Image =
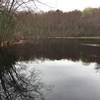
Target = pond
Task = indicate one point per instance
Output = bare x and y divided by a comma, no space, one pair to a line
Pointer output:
53,70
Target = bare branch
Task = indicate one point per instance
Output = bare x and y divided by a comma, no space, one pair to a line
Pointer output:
11,5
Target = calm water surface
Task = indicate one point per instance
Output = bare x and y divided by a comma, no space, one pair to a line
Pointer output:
57,70
69,80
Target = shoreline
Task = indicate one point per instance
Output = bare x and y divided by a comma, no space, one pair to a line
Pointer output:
73,37
37,40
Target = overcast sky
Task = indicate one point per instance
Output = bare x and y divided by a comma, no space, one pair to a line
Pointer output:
68,5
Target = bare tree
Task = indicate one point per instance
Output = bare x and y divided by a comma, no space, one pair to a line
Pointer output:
13,5
8,9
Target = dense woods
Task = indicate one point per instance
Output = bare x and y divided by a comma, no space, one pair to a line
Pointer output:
58,23
35,25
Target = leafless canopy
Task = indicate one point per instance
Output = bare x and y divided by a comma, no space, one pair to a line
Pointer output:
14,5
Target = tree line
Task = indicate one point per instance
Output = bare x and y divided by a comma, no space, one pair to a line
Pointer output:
30,24
59,24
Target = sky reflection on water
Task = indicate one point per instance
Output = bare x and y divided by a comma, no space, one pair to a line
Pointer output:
70,80
64,69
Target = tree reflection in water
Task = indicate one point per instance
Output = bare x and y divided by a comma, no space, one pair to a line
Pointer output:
14,85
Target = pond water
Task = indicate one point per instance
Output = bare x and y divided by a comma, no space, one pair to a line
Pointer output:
61,70
69,80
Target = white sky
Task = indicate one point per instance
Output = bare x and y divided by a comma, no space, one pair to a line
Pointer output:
68,5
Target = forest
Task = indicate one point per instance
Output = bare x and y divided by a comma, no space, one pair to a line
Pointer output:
75,23
28,25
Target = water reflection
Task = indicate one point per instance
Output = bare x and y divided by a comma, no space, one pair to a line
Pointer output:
60,62
71,80
14,84
60,49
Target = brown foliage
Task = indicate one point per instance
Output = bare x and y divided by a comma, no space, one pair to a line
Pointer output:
58,24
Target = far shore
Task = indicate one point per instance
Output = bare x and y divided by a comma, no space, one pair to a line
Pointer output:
37,40
74,37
